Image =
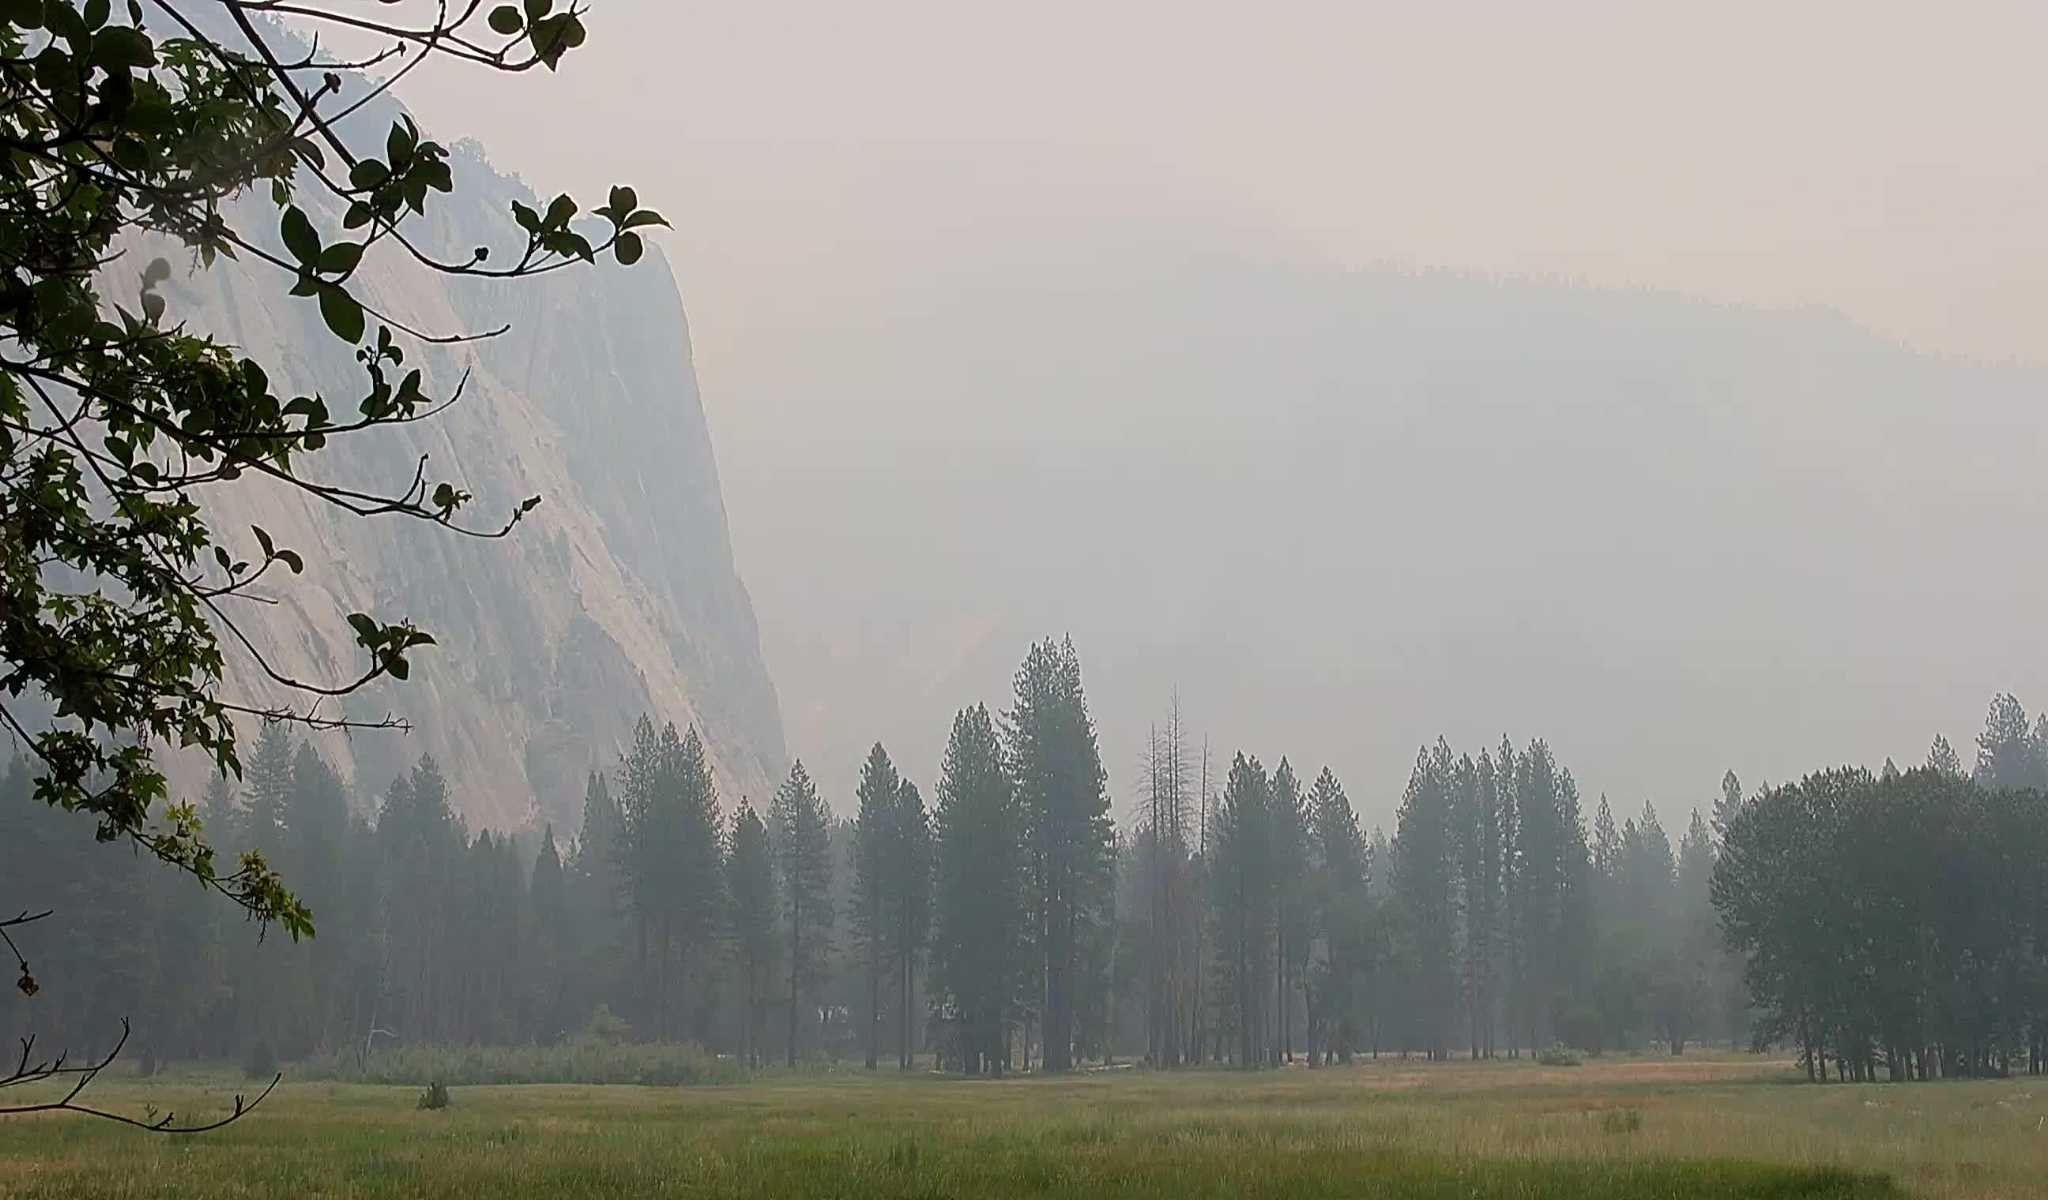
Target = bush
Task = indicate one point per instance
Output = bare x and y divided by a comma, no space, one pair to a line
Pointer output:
435,1097
607,1028
1621,1120
581,1059
261,1063
1557,1055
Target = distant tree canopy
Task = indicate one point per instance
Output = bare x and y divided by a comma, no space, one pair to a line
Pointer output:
183,123
1884,925
1899,923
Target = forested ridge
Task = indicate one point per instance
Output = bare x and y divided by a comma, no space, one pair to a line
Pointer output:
1882,925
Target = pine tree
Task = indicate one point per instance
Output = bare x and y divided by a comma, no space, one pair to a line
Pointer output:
596,889
315,837
1943,760
979,939
1424,881
1476,822
910,906
1338,888
1730,803
1242,879
1606,844
753,905
265,808
874,834
803,855
548,898
2008,756
1056,767
1648,866
1290,900
696,868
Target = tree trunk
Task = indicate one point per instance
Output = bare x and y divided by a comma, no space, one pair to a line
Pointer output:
796,948
874,1006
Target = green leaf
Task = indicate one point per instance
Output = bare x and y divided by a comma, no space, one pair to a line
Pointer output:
158,270
628,249
399,668
536,9
367,173
119,48
399,143
555,36
96,13
152,307
64,21
624,201
299,237
341,312
366,628
341,257
263,540
561,210
22,14
507,20
646,216
290,558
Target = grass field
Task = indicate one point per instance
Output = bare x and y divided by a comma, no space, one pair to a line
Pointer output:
1654,1128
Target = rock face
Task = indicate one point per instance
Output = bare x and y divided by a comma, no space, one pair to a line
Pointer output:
617,596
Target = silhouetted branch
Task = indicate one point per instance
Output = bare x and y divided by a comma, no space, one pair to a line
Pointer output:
28,1069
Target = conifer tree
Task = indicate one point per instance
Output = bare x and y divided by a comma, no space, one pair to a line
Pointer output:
1730,803
1062,790
754,906
1242,882
802,841
1423,885
1290,901
1943,760
548,900
1337,871
910,906
875,831
2008,755
979,937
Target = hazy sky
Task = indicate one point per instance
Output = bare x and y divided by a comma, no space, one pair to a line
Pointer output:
846,181
1886,159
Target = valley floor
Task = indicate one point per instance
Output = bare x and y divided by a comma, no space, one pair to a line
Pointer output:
1719,1126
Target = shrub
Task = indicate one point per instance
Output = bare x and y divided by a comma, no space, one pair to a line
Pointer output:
1557,1055
261,1063
435,1097
581,1059
607,1028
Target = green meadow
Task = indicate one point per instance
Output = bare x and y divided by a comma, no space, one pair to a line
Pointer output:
1612,1128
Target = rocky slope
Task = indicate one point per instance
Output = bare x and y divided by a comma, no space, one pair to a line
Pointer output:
617,596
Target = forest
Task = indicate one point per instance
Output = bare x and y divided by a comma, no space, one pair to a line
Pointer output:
1885,925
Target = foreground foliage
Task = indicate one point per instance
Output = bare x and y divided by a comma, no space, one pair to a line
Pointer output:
206,131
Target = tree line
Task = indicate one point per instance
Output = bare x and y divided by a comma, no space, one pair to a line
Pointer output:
1895,925
1883,922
